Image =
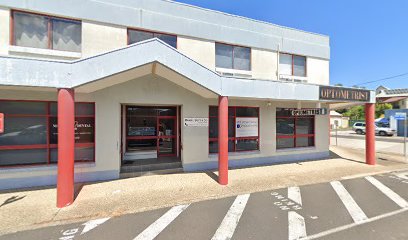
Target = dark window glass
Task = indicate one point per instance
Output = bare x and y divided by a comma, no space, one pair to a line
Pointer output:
167,111
167,127
23,157
213,127
142,145
304,141
139,36
167,146
304,126
142,126
213,111
285,126
247,144
84,130
242,58
231,127
66,35
213,147
31,30
81,154
299,66
247,112
223,56
22,107
83,109
283,112
24,131
285,143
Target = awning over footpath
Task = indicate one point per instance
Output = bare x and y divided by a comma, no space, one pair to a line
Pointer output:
85,73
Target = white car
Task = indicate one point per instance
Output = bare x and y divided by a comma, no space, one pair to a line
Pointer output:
359,128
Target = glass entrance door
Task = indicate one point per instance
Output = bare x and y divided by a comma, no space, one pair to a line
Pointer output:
151,132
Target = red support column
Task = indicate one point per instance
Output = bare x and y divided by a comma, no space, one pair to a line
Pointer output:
223,140
370,133
66,147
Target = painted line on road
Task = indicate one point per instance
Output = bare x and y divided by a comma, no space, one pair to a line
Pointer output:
348,226
352,207
294,195
388,192
93,224
297,226
231,219
160,224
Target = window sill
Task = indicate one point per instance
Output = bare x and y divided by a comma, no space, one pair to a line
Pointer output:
292,78
232,154
295,149
44,52
51,167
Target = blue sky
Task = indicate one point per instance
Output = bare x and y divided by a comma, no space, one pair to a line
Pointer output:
369,39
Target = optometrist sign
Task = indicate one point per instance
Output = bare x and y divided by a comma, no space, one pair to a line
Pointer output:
308,112
246,127
1,123
343,94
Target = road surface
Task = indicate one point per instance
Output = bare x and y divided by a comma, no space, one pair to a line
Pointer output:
372,207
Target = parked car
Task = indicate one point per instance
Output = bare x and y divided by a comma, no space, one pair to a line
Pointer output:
359,128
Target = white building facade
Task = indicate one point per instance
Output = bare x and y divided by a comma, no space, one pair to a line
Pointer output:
147,78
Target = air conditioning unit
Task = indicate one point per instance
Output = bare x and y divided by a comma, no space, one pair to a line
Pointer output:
290,78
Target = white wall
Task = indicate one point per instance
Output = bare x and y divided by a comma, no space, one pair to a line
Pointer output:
318,71
264,64
4,30
201,51
99,38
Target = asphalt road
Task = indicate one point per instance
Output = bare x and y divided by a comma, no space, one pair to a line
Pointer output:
362,208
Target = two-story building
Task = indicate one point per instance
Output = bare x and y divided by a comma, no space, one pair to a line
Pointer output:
121,86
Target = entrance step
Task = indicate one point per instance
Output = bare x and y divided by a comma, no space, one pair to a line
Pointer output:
150,173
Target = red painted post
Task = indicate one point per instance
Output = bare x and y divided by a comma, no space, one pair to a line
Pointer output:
66,147
223,140
370,133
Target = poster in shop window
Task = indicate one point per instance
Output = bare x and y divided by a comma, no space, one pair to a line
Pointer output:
84,130
246,127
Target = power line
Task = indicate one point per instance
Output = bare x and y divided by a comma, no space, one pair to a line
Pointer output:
382,79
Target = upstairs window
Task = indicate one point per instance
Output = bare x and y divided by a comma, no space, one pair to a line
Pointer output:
135,36
232,57
292,65
39,31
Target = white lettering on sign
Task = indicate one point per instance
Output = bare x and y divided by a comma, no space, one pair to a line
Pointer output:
308,112
196,122
246,127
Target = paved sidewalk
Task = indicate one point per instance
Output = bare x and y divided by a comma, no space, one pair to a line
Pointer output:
20,210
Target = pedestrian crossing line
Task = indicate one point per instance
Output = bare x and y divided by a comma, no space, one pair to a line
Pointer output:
231,219
388,192
297,226
160,224
294,195
352,207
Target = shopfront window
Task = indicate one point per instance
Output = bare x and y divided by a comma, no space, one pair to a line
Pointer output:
135,36
31,133
294,131
243,129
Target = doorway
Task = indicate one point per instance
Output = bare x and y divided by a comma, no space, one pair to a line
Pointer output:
151,135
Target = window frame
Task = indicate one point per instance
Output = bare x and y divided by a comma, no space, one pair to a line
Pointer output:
49,28
48,145
233,56
148,31
294,136
293,63
235,139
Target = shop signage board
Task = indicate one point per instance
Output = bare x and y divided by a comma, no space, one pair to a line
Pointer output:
246,127
1,122
400,116
308,112
196,122
84,130
343,94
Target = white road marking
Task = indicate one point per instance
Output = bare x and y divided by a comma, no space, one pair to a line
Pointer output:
355,211
297,226
231,219
348,226
388,192
160,224
93,224
294,195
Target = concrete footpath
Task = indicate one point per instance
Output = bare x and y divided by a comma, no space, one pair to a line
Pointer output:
22,210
